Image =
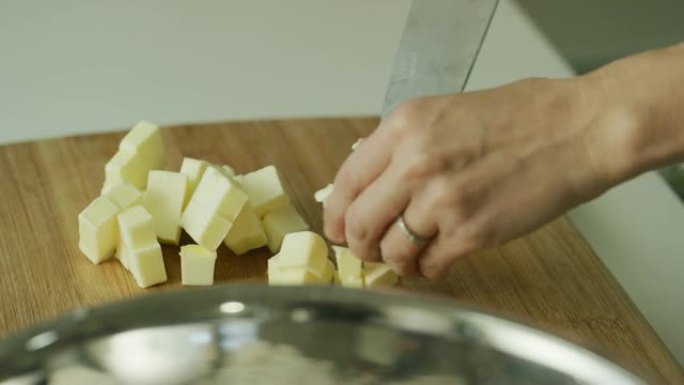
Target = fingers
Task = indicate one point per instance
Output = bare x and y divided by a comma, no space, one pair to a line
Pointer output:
374,211
361,168
436,259
397,249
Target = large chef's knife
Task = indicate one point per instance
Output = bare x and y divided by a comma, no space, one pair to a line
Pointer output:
438,48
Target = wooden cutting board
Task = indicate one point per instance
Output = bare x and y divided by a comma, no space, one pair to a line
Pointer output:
549,278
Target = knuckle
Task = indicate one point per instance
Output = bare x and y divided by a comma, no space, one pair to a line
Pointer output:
355,225
434,269
448,195
419,165
406,113
476,239
403,269
392,254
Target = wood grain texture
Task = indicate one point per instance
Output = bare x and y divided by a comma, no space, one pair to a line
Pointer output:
550,278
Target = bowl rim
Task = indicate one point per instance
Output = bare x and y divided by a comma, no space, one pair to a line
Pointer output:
157,309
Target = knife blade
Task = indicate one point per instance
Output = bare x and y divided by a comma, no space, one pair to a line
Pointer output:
438,48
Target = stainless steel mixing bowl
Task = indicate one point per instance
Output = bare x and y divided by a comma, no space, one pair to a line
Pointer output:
252,334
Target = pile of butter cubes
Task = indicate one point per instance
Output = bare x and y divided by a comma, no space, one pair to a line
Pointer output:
141,205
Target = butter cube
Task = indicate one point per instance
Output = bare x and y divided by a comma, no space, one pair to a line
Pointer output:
349,267
378,274
147,265
280,222
98,232
329,273
304,249
247,232
164,200
124,195
219,194
265,190
229,171
122,254
193,169
321,195
145,140
125,166
197,265
141,150
206,227
279,275
136,227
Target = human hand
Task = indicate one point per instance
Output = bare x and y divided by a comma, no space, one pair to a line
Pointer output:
470,171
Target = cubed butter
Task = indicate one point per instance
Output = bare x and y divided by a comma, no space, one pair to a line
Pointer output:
321,195
147,265
141,150
280,222
124,195
136,227
283,275
193,169
98,232
206,227
197,265
304,249
349,267
164,200
378,274
229,171
329,273
122,254
247,232
265,190
145,139
126,167
217,193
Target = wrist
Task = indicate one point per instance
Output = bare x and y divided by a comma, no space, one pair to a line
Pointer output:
638,119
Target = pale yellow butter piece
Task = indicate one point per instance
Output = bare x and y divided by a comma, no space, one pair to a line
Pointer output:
124,195
141,150
329,272
206,227
164,200
136,227
219,194
322,195
147,265
229,171
247,232
122,254
197,265
280,222
265,190
125,166
145,139
352,282
349,267
280,275
193,169
378,274
98,232
304,249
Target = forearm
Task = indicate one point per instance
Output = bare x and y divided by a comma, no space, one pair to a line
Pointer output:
640,111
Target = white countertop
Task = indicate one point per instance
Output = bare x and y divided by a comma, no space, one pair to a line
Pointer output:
75,67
